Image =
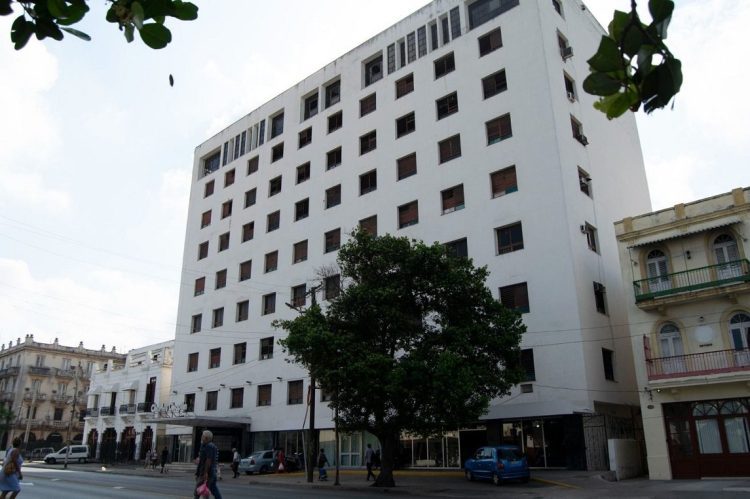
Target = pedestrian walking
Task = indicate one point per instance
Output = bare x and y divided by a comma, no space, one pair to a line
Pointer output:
369,461
281,461
11,476
154,459
207,469
147,459
164,458
235,463
322,463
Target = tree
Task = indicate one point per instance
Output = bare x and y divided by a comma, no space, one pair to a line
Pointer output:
414,342
49,18
633,65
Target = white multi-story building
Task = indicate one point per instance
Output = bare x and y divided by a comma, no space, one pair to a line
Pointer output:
464,123
689,315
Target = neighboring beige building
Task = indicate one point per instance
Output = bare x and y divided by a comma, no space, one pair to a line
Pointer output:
44,385
689,317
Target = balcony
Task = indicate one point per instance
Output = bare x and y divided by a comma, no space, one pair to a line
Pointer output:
9,371
105,411
40,371
65,373
40,397
144,406
698,364
712,280
7,397
92,413
127,409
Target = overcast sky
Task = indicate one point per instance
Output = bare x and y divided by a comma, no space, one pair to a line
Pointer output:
96,149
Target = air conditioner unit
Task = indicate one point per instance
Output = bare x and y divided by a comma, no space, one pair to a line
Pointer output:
571,97
566,52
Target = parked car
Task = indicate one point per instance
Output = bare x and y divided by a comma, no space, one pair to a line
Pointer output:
257,462
78,453
498,463
39,453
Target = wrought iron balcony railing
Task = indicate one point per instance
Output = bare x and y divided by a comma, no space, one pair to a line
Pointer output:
105,411
127,408
699,364
692,280
92,413
40,371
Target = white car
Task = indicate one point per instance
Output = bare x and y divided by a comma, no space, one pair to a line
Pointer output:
78,453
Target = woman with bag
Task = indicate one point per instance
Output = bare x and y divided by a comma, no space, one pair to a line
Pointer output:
11,476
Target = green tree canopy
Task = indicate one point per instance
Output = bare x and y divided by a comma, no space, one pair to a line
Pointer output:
414,342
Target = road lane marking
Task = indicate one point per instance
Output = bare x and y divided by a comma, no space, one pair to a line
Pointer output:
553,482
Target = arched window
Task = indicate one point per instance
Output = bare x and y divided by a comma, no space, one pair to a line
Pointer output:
739,332
656,268
727,256
670,345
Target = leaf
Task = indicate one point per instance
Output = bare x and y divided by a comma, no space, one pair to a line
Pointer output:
618,24
607,57
632,41
65,14
47,28
136,9
184,11
128,32
75,32
21,31
660,10
601,84
156,36
5,7
171,81
57,8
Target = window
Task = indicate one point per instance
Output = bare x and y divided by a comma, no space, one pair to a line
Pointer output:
274,186
434,36
277,152
335,121
499,129
455,23
294,392
422,41
303,172
277,125
299,297
250,197
374,69
490,42
608,361
299,252
246,270
305,137
273,221
407,166
333,158
311,105
527,364
453,199
190,402
482,11
368,182
449,148
208,189
218,317
447,105
237,398
411,47
214,358
494,84
509,238
229,177
240,353
211,163
332,287
367,105
301,209
206,219
444,65
515,297
269,303
591,239
584,182
570,87
368,142
405,85
243,310
195,323
333,196
226,209
408,214
252,165
203,250
212,399
600,294
370,225
504,181
192,364
444,29
566,51
266,348
333,93
248,231
272,260
458,248
557,4
577,129
224,241
405,125
221,279
391,58
264,395
200,286
332,240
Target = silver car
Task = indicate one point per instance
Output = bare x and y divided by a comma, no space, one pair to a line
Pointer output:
257,462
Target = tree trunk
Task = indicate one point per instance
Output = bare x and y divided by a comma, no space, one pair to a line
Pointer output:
389,446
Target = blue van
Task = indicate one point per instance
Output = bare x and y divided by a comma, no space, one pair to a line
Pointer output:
498,463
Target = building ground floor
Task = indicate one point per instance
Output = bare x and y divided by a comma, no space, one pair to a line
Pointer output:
42,434
124,441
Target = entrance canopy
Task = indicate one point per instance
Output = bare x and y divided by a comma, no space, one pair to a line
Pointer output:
203,421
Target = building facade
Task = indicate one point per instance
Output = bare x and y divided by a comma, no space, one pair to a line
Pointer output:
689,316
464,123
124,398
43,385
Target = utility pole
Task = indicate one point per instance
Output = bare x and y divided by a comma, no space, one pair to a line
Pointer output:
72,414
